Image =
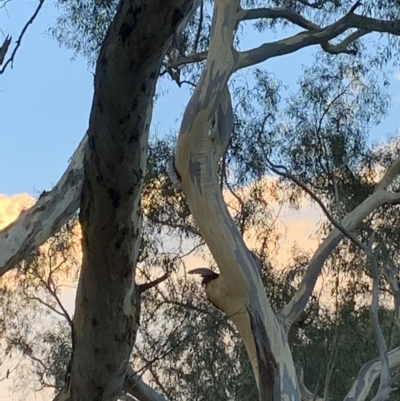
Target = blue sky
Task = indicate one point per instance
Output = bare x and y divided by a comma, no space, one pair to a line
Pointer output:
45,102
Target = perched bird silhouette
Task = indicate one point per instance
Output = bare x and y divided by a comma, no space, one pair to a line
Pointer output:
207,274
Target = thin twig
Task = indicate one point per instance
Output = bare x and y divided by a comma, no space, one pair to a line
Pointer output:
199,28
277,170
19,40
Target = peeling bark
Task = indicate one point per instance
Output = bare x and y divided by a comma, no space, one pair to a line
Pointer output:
107,301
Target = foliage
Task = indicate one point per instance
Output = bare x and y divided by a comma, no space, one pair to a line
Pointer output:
32,309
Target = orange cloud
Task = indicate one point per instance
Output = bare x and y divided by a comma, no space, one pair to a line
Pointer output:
12,206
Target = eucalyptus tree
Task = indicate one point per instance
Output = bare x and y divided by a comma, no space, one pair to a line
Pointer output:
142,38
204,135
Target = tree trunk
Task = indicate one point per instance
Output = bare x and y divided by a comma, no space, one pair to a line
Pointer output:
106,311
238,291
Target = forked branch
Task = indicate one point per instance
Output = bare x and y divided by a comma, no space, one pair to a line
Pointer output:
367,375
321,37
135,386
292,311
306,394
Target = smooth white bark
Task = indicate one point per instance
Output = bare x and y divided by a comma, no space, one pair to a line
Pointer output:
51,211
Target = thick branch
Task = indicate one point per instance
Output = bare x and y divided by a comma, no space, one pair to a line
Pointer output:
389,273
384,388
321,36
191,59
51,211
343,46
314,35
135,386
294,308
297,19
368,374
284,13
391,173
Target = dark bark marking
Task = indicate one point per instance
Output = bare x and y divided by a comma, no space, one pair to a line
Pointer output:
58,221
176,171
97,350
209,167
125,118
134,104
140,177
118,243
269,386
94,322
248,268
224,124
115,197
134,137
100,107
136,12
99,178
195,173
127,271
104,62
177,16
109,366
125,30
153,74
37,210
143,87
